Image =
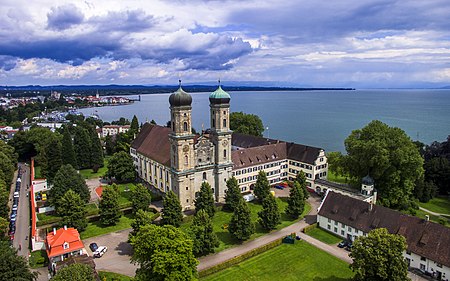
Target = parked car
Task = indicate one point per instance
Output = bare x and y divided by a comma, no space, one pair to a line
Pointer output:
349,246
249,197
16,194
343,244
93,247
14,208
100,251
279,186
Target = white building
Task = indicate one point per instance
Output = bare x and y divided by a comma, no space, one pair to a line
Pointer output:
428,243
114,129
175,159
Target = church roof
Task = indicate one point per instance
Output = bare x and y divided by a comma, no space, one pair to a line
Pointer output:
219,96
424,238
153,142
180,98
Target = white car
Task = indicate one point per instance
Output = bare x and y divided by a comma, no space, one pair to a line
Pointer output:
100,251
249,197
16,194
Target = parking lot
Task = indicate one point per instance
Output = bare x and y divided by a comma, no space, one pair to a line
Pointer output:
117,258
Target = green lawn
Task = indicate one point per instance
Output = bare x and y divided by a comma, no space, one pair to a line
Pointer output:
111,276
89,174
125,194
300,261
222,218
437,205
96,228
37,172
421,214
38,259
324,236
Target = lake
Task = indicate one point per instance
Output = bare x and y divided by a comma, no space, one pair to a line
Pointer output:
317,118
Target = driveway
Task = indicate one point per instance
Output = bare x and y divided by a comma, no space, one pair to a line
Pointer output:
117,258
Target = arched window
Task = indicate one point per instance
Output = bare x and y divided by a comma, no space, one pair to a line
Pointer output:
225,123
186,160
224,153
185,126
204,176
213,123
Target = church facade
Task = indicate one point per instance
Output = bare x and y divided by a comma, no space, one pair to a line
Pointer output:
173,158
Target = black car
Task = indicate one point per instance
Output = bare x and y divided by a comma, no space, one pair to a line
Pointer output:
93,247
349,247
343,244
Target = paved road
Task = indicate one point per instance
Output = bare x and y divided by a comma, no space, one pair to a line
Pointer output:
21,237
431,212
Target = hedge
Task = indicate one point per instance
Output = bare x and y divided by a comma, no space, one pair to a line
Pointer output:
309,228
239,259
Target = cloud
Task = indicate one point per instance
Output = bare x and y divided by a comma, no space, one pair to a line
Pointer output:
7,62
64,17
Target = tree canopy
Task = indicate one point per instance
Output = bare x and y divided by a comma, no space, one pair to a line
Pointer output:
12,266
51,160
72,210
269,216
140,219
241,226
120,166
141,198
96,150
68,178
296,201
262,187
301,179
82,145
163,253
75,272
232,194
379,256
109,206
172,214
249,124
204,200
389,156
203,235
68,155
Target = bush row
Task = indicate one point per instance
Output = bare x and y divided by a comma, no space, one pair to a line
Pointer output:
309,228
239,259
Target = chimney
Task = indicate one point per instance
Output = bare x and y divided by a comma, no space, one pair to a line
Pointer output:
54,231
65,227
427,217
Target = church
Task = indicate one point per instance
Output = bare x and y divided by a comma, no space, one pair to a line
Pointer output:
173,158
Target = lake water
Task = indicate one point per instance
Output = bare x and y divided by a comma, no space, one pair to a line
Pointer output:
317,118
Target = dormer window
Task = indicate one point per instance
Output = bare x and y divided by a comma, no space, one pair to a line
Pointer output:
66,245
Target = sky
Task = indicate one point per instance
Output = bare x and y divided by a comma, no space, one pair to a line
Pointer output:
304,43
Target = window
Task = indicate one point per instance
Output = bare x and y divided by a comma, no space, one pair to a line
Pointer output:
204,176
186,160
213,123
329,227
335,229
335,223
422,266
439,265
224,123
408,252
349,229
224,153
423,259
185,126
187,188
187,200
66,245
329,220
342,232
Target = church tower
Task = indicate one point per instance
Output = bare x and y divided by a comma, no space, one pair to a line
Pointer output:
221,138
182,147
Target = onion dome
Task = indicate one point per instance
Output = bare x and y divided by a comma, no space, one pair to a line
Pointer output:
219,96
180,98
367,180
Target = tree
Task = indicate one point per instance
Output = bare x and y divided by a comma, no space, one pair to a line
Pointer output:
232,194
120,166
202,233
437,170
269,216
172,214
3,227
110,145
425,190
51,160
68,155
335,163
249,124
204,200
163,253
391,159
141,218
109,206
141,198
96,151
4,199
134,127
296,201
262,187
12,266
301,179
68,178
379,256
82,145
6,167
75,272
241,226
72,210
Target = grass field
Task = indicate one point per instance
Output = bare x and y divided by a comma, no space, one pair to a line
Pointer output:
324,236
89,174
38,259
222,218
438,205
300,261
96,228
111,276
37,172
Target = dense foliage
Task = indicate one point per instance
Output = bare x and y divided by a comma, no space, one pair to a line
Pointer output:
75,272
262,187
12,266
171,212
249,124
68,178
296,201
241,226
68,155
232,194
140,219
269,216
204,200
120,167
72,209
301,179
141,198
109,206
163,253
379,256
202,234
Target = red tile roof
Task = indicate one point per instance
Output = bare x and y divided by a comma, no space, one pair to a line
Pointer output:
153,142
56,241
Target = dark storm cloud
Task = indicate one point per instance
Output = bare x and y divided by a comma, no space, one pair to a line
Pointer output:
7,62
64,17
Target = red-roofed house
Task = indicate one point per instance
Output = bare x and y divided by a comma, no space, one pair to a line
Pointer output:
63,243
